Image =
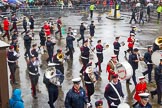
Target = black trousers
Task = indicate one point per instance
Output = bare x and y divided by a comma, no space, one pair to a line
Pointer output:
85,62
117,54
100,60
12,67
53,95
70,52
91,13
34,82
133,18
81,38
27,53
148,71
50,55
133,78
159,91
25,29
90,90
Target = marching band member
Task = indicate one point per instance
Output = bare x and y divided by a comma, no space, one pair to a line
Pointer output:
47,28
148,61
12,60
143,103
89,79
111,66
14,36
82,30
34,75
99,53
50,47
42,39
131,41
111,95
27,43
92,30
99,104
133,30
116,47
15,44
69,45
59,24
158,79
84,56
133,60
52,80
141,87
76,96
6,26
58,58
14,23
31,20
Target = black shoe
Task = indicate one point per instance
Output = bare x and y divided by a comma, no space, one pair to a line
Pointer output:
35,97
96,64
143,73
152,96
160,103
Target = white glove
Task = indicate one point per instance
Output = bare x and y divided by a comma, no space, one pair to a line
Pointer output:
112,104
148,63
88,105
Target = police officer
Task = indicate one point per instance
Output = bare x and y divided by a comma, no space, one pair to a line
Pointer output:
42,39
116,47
148,61
34,75
76,96
89,79
69,45
58,59
158,79
133,16
12,59
14,24
31,20
24,25
82,30
110,94
91,8
99,104
133,60
52,87
99,53
92,30
84,56
27,43
50,48
143,101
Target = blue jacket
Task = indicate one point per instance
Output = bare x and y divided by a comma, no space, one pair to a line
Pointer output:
141,106
74,99
16,100
158,74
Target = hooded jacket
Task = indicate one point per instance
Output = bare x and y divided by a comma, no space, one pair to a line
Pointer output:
16,100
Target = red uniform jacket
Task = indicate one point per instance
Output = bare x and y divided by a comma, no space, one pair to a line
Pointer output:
47,29
140,88
110,69
130,42
6,24
59,23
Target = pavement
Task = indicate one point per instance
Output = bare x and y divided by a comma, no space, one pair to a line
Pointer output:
106,31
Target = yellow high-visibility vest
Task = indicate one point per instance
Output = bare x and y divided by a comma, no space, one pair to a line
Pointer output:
91,7
117,7
159,9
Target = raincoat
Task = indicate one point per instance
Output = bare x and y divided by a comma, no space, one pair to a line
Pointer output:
16,100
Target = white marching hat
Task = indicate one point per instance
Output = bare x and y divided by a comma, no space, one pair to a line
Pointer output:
75,80
144,95
132,34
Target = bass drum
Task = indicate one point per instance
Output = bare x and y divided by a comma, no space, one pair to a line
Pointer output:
156,56
124,70
123,105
